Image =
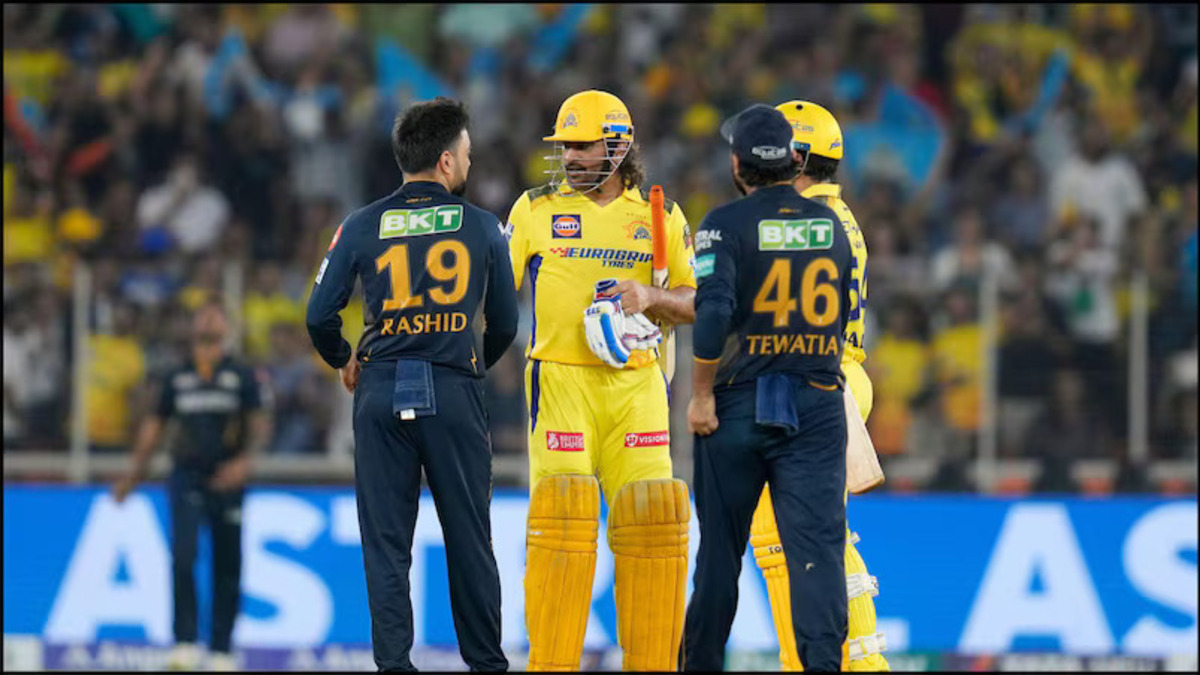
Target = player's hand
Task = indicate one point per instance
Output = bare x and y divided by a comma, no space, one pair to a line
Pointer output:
702,415
231,475
635,297
124,485
349,373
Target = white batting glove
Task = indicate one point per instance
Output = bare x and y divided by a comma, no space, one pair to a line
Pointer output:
640,332
604,327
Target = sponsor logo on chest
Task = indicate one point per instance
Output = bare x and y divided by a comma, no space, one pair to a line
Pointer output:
566,226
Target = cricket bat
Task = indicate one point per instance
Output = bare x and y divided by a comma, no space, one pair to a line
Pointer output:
658,275
863,472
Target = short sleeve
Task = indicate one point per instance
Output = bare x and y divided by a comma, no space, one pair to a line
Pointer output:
681,266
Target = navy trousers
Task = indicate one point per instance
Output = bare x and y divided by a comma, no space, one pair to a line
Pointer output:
454,448
193,502
807,472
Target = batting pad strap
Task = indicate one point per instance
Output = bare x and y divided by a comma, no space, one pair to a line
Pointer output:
861,584
562,527
867,645
648,534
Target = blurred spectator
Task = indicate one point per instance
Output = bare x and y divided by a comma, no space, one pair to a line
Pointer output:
1025,371
957,353
34,377
898,366
28,231
1064,428
116,368
192,212
297,389
970,256
1021,216
1082,279
1099,183
267,307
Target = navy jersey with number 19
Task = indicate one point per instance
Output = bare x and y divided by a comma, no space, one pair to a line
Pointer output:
773,295
434,272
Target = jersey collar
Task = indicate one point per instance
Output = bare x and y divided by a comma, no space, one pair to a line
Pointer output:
823,190
423,186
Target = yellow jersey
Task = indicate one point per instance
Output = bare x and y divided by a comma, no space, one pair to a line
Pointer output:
115,368
565,242
830,194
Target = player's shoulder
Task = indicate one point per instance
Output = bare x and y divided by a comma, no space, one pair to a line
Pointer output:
643,193
538,196
812,208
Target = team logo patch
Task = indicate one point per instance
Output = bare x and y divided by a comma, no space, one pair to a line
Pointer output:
566,227
570,121
687,235
638,230
650,440
564,441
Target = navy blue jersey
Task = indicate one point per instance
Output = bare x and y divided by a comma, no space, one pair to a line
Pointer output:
436,279
211,413
773,296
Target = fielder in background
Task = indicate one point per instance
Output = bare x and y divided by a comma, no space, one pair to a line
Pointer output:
597,401
439,307
817,145
767,400
218,403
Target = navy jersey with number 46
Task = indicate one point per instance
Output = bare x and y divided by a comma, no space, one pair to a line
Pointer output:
434,269
773,272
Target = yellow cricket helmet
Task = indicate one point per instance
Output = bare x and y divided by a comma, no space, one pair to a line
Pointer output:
814,129
587,117
590,116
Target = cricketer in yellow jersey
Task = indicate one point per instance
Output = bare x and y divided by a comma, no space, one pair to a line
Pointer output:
590,419
817,141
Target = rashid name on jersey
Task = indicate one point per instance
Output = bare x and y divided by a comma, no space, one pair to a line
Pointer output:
773,275
421,254
566,243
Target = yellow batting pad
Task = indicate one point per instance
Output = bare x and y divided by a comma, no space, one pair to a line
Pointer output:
768,553
560,561
864,644
648,534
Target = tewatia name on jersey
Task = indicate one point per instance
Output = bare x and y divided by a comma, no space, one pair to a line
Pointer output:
806,343
609,257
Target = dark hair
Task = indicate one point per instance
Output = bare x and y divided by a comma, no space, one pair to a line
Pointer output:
754,176
423,132
820,169
631,170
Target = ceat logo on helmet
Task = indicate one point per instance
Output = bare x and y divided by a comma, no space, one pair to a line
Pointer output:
813,128
566,227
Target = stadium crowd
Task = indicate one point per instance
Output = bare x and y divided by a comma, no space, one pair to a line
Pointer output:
187,152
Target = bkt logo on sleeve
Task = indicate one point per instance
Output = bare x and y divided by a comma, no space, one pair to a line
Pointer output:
566,226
